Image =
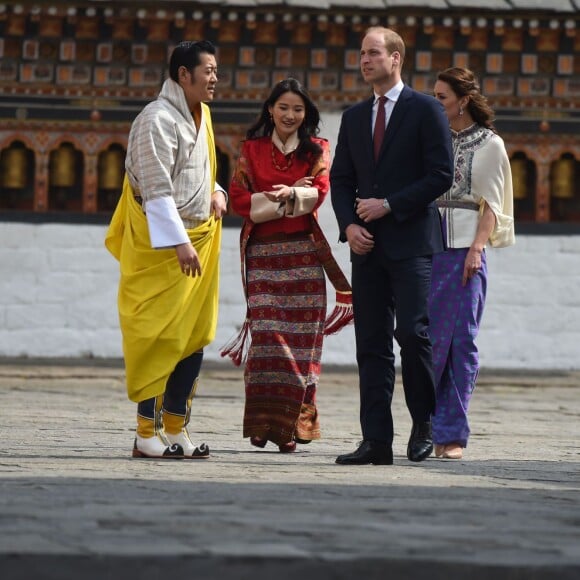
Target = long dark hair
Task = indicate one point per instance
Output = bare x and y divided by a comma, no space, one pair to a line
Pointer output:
464,84
264,126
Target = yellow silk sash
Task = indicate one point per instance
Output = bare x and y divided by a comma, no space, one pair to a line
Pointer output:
164,315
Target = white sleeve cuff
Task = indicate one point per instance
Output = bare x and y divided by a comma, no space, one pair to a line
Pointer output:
218,187
303,203
263,210
165,226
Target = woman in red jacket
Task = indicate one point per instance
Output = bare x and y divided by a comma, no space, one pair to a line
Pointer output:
280,180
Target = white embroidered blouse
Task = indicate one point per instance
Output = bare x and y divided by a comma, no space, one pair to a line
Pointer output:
482,173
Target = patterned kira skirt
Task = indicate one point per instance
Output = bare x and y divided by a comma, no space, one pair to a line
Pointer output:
287,301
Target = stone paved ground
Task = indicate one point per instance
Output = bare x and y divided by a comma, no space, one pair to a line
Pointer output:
73,504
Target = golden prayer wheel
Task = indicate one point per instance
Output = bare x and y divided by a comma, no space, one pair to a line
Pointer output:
14,168
111,169
63,166
563,172
520,177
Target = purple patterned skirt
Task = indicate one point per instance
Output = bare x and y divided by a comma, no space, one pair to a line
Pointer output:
455,313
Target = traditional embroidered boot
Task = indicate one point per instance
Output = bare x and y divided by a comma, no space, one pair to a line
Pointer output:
150,441
179,394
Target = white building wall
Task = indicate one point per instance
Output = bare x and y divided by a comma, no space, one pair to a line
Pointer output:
58,288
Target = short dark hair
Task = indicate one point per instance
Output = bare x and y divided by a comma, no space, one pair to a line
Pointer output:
393,41
187,54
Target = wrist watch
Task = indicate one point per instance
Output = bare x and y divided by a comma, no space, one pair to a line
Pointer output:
387,205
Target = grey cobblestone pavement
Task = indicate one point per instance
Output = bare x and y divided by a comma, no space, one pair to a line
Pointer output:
74,504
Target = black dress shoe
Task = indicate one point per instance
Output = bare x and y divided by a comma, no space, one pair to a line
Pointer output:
373,452
421,441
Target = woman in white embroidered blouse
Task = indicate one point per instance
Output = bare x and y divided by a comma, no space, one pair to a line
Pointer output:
478,209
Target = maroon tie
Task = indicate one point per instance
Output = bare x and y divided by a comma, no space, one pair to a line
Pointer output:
379,132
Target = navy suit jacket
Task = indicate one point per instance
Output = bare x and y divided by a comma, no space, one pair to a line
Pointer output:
414,168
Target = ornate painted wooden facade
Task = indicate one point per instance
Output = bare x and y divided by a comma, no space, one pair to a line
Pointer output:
73,75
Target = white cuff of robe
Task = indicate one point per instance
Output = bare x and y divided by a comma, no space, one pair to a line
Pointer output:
218,187
303,203
166,228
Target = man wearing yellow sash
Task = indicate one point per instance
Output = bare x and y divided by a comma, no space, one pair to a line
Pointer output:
166,233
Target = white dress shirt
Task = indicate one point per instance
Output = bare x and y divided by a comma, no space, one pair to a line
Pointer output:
392,97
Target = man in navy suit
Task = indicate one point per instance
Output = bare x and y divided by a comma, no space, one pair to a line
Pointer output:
383,187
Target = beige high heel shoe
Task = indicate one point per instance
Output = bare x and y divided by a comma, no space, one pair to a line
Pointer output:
439,449
452,451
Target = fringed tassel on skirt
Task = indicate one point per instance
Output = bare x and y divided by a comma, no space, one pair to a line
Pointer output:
237,348
342,314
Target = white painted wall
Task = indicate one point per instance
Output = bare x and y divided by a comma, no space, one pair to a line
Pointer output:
58,289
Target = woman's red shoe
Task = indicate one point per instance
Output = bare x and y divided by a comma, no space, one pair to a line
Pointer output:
287,447
258,442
